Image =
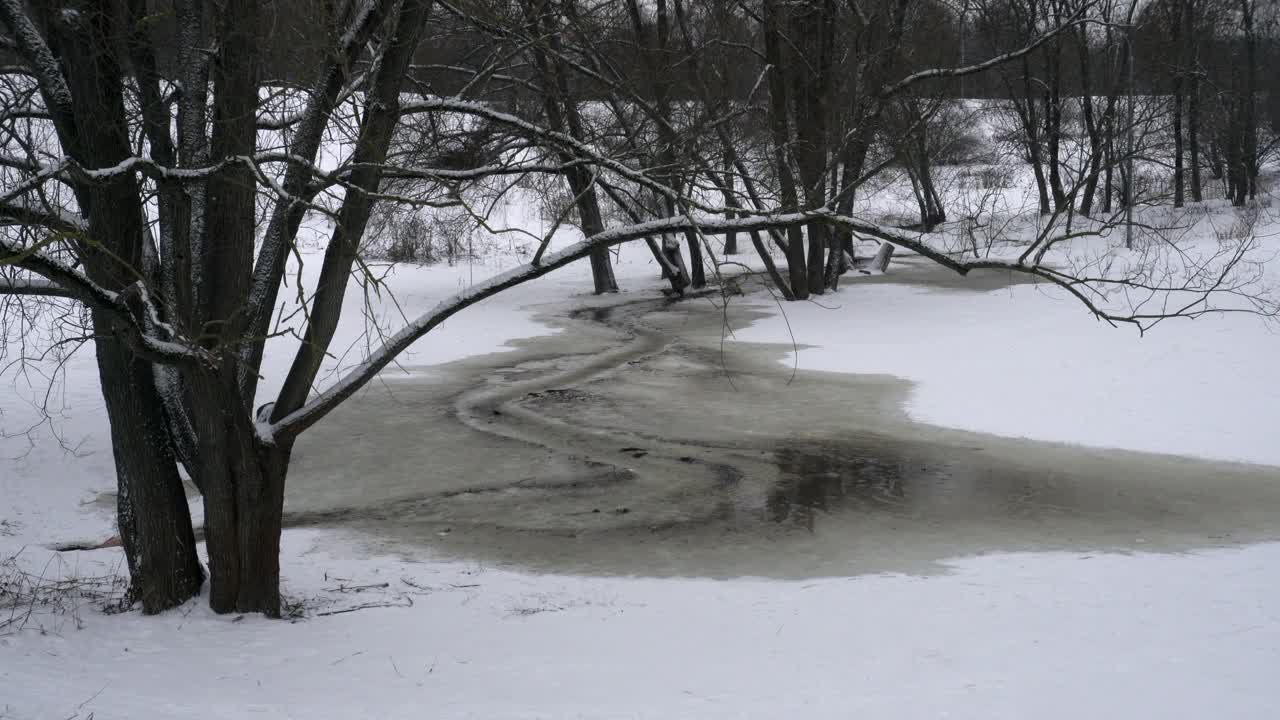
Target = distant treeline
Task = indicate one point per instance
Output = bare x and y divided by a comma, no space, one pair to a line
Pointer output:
298,33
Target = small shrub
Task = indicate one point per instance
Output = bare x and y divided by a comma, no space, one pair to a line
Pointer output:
1243,222
439,235
963,149
992,177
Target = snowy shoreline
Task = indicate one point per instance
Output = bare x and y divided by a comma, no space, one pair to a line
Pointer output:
1049,635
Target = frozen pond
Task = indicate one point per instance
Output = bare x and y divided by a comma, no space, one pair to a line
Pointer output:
636,441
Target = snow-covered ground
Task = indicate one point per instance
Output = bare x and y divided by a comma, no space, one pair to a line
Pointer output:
1028,635
1028,361
1009,636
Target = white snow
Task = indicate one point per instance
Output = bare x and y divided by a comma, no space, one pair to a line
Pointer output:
1029,361
1029,635
1009,636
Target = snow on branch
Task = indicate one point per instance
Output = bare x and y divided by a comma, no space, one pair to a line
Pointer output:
1207,280
577,148
75,284
44,65
36,287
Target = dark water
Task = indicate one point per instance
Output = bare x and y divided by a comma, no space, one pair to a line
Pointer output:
635,442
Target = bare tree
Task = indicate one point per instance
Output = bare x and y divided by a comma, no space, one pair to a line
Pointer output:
168,203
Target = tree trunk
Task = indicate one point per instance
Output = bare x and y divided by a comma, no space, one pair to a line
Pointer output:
935,213
853,157
1090,188
730,237
1178,30
1031,129
1109,169
155,525
154,522
1237,176
781,136
602,276
1091,122
810,29
243,491
1037,167
1053,127
243,499
697,273
881,261
671,250
673,269
1193,138
1179,197
562,116
1248,102
769,266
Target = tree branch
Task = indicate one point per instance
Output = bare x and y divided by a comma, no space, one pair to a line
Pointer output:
76,284
1078,18
36,287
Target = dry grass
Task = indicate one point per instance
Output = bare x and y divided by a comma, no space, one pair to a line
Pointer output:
56,596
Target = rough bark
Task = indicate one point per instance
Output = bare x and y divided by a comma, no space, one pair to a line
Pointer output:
811,27
779,128
697,272
243,481
155,524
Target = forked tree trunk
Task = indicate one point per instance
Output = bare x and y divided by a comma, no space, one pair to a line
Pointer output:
1091,121
1031,129
935,212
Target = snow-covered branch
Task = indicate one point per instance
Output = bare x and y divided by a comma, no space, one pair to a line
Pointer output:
575,147
357,377
74,284
44,66
29,214
35,287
